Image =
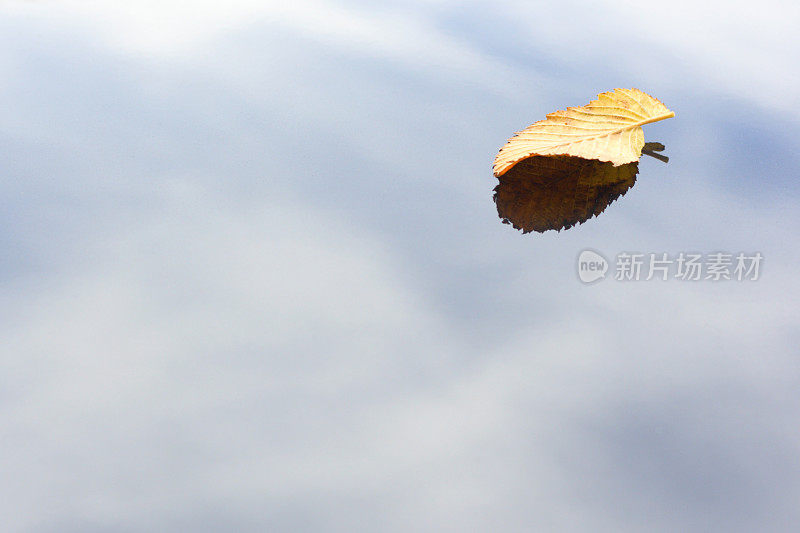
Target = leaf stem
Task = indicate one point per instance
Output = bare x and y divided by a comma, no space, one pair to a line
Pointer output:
651,153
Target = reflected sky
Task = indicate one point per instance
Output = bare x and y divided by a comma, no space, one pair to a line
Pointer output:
253,277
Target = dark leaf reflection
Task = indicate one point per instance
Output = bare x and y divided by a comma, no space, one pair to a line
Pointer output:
557,192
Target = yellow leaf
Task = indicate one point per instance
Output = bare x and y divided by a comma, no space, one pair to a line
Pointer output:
606,129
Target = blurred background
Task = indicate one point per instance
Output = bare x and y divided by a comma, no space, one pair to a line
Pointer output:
252,277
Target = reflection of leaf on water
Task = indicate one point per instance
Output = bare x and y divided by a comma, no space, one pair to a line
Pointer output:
542,193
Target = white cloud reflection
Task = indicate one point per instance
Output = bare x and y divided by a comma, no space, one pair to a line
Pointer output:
255,281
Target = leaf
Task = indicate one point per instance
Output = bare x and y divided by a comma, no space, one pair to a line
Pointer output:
542,193
606,129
